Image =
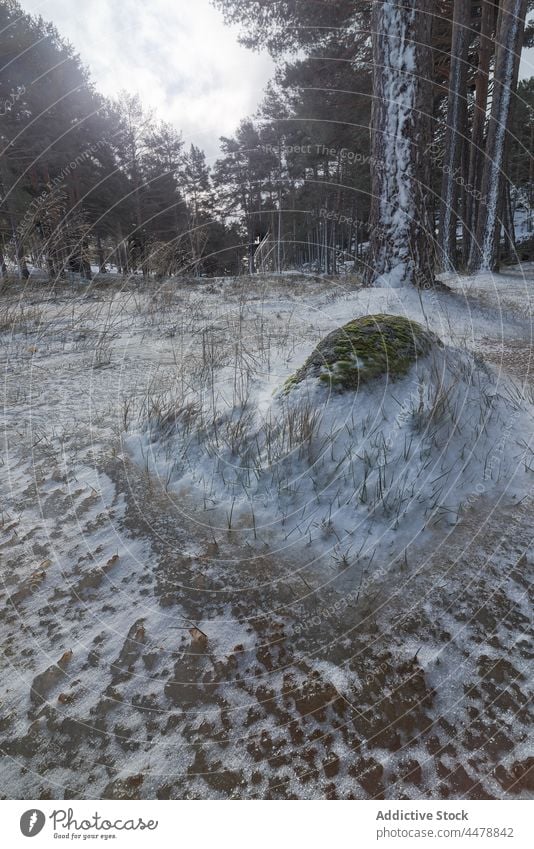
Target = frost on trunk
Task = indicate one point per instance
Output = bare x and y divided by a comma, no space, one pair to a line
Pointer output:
485,52
401,240
454,134
509,41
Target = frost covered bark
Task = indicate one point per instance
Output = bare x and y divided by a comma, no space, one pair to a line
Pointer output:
507,55
476,164
454,134
401,240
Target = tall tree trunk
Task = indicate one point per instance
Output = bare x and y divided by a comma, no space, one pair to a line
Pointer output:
251,251
454,134
122,252
100,251
19,250
3,266
509,40
474,181
5,198
401,234
509,252
326,252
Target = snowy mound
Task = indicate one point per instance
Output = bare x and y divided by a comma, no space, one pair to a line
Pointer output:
374,466
365,348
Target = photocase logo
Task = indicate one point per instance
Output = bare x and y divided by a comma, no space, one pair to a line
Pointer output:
32,822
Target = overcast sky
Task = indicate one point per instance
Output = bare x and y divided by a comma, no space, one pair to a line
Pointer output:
177,54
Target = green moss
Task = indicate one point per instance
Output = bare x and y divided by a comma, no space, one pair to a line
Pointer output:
290,382
364,349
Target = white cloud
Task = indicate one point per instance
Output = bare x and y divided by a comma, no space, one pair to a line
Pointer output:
177,54
526,69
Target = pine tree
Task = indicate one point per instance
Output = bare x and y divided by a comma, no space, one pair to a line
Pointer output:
455,134
510,30
196,186
134,125
401,235
485,48
242,178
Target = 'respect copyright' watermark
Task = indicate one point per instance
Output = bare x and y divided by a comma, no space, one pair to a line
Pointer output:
344,154
66,826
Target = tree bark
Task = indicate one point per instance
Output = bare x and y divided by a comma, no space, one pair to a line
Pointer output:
485,52
454,134
100,251
509,251
3,266
509,41
401,250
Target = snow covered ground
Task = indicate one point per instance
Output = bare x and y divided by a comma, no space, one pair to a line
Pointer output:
339,473
195,603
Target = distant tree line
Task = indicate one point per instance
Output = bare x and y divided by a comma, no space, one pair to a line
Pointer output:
85,181
450,150
88,181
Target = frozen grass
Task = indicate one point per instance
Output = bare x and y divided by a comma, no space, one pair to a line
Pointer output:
105,573
191,374
310,465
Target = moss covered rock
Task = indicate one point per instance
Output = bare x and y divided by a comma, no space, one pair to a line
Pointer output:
366,348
